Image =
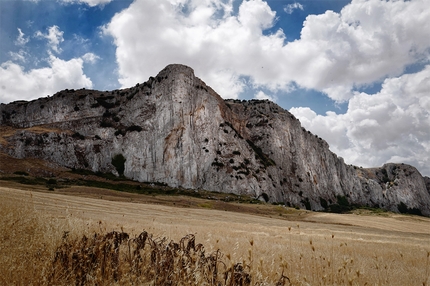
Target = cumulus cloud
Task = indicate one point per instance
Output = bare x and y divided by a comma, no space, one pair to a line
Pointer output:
54,37
389,126
90,58
16,83
336,54
289,9
18,80
261,95
222,48
367,41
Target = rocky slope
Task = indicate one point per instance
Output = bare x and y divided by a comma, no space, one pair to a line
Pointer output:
175,129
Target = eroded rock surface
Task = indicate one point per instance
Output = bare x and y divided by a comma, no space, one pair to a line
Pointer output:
175,129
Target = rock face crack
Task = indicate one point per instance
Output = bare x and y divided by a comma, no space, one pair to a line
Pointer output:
174,129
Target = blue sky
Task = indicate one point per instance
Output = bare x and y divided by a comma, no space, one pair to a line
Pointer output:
355,72
81,26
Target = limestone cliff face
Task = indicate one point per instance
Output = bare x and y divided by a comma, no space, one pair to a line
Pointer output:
176,130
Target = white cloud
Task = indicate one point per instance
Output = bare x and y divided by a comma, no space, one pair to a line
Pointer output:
15,83
90,3
227,83
54,37
261,95
337,52
152,34
21,40
366,42
90,58
19,56
289,9
389,126
256,15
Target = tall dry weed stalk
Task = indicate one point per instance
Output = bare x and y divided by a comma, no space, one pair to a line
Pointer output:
426,280
114,258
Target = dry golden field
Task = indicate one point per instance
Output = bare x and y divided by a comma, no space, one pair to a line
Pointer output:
280,246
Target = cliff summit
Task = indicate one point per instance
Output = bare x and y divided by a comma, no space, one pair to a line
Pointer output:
174,129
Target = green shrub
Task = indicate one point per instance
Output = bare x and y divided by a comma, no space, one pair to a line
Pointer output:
342,205
217,164
104,103
323,203
107,114
405,210
52,182
120,132
118,161
21,173
265,160
105,124
77,135
307,204
342,201
265,197
134,128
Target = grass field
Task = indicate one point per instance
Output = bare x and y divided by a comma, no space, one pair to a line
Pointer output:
279,246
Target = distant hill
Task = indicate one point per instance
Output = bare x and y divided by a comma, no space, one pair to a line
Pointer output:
174,129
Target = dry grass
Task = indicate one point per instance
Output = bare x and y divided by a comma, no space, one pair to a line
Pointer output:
39,251
7,131
42,129
27,241
36,167
327,249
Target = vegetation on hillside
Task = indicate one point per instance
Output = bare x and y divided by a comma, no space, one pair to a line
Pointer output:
121,184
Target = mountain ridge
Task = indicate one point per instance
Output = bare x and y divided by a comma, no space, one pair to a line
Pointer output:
175,129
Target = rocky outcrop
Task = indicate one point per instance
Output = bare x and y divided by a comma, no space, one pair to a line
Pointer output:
176,130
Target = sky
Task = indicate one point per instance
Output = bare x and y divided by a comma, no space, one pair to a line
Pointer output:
355,72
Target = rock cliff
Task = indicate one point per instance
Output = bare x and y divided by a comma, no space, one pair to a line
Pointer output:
175,129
